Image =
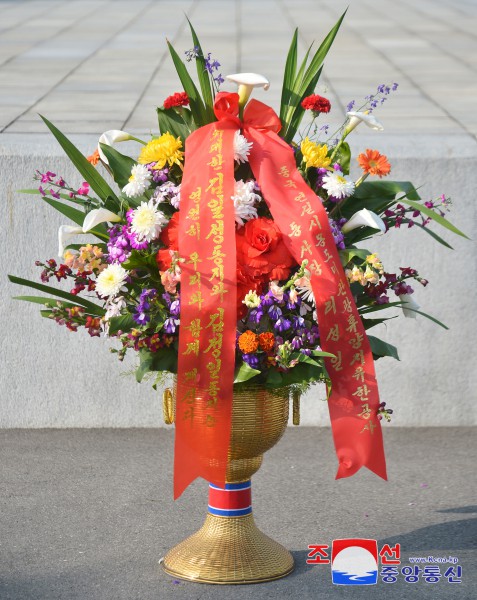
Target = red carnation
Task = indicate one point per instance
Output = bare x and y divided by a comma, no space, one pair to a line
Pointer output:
316,104
177,99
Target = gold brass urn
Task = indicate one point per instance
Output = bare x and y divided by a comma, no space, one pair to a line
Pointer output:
229,548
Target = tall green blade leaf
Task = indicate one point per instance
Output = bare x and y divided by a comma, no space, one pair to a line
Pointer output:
77,216
434,216
293,99
97,312
320,55
170,121
196,105
299,111
289,75
91,175
204,79
119,164
51,290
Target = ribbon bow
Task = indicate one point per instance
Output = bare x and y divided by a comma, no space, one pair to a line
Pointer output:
208,297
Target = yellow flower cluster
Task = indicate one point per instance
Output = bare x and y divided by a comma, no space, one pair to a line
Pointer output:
88,259
163,150
315,155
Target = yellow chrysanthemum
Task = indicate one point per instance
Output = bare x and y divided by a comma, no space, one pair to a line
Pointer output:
162,150
315,155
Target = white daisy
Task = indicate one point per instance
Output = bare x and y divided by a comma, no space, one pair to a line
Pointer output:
242,147
147,222
244,201
139,181
338,185
303,285
111,280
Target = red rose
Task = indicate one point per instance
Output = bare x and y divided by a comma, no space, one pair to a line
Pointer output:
316,104
177,99
260,246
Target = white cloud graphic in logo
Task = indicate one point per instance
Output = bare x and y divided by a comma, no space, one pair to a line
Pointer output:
355,563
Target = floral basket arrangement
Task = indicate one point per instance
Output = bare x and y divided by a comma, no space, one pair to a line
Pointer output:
230,251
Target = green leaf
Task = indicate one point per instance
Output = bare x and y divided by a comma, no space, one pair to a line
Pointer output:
91,175
138,259
245,372
165,359
343,157
299,111
433,215
433,319
77,216
196,104
386,189
119,164
204,80
368,323
380,348
289,76
99,312
349,253
170,121
320,55
122,323
59,293
431,233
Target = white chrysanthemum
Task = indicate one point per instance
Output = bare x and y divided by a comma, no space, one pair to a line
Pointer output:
139,181
147,222
111,280
244,201
338,185
242,147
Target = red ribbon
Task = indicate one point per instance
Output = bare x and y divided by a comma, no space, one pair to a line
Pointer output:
208,297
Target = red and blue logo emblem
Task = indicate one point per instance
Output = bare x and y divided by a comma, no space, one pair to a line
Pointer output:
354,562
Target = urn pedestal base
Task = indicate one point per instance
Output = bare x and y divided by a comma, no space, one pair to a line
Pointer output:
228,550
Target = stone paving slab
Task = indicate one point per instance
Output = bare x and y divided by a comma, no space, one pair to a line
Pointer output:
91,65
86,514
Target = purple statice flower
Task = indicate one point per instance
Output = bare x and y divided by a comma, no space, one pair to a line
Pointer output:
297,322
350,105
325,128
334,199
170,325
211,64
282,324
167,299
275,312
141,315
306,351
338,167
168,192
255,315
119,247
219,80
338,235
267,299
193,53
158,175
175,308
321,173
252,360
297,343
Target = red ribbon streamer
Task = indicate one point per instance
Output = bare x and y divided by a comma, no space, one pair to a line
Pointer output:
203,422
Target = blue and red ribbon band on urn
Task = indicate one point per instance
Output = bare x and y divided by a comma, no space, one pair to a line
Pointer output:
208,297
233,500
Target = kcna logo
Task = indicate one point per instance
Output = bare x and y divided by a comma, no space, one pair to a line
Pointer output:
354,562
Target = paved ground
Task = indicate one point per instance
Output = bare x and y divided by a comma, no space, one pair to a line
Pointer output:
86,514
92,65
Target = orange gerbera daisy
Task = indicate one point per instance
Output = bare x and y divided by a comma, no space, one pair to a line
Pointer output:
374,163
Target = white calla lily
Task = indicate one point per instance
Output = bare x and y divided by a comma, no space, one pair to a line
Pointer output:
246,83
97,216
409,306
65,232
355,118
364,218
111,137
